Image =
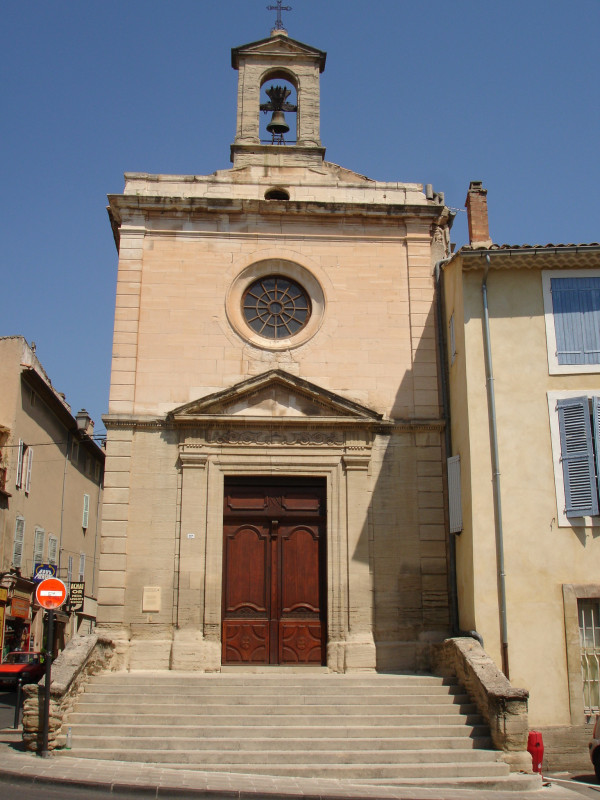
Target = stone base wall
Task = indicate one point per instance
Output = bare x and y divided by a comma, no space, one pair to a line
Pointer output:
503,706
566,748
83,656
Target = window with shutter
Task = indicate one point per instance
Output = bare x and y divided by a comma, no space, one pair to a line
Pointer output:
577,457
29,465
39,539
572,311
70,571
17,558
82,566
52,549
86,511
20,453
576,307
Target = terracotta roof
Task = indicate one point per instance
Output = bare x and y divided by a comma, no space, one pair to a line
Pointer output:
470,248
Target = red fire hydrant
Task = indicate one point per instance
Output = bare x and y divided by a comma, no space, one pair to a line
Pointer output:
535,747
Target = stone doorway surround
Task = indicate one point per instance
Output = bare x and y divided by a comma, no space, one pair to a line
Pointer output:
275,424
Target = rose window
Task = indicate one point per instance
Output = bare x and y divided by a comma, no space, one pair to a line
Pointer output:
276,307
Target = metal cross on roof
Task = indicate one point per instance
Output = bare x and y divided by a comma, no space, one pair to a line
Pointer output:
279,8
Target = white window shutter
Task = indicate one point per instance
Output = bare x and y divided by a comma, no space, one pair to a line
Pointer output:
70,571
38,546
29,464
19,478
86,511
17,558
52,549
82,566
454,495
577,457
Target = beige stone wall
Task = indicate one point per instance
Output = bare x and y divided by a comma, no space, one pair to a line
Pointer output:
173,341
540,555
177,341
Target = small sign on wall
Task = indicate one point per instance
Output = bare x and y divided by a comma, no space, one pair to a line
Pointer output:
151,599
77,595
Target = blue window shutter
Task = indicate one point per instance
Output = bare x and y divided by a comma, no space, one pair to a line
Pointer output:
596,434
576,308
590,302
577,456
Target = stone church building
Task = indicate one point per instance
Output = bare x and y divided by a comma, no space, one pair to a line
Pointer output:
274,489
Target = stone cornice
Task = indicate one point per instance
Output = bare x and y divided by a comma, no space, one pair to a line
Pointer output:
381,427
201,206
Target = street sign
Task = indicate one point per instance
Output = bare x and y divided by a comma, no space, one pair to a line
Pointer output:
43,571
77,595
51,593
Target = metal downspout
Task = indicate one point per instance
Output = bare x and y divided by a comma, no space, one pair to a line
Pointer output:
441,327
495,471
62,502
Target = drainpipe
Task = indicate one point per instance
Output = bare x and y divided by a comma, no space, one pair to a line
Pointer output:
441,327
495,471
62,502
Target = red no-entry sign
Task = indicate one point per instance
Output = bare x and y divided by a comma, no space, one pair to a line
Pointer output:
51,593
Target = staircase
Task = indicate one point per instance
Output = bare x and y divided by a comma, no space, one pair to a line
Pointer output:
370,727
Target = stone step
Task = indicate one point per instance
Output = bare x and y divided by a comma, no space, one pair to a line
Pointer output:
391,727
172,715
244,678
314,711
283,756
332,690
248,697
434,728
188,759
87,736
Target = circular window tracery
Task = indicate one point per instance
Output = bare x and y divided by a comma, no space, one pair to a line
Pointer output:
276,307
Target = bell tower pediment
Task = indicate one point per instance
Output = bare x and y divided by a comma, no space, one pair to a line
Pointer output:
300,65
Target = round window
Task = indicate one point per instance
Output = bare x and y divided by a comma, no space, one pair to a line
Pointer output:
276,307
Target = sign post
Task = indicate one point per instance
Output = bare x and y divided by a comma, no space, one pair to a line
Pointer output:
50,594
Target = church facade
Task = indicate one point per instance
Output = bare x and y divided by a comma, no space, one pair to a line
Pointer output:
274,488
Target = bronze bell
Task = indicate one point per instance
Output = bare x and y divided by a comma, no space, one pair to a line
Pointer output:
278,126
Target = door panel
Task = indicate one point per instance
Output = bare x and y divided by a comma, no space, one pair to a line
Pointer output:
274,573
246,556
300,590
245,642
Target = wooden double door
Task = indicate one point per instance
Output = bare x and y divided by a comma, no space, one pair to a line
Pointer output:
274,590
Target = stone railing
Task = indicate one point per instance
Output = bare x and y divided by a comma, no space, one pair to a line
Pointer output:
83,656
503,707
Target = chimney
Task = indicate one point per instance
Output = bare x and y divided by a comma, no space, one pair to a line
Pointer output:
477,215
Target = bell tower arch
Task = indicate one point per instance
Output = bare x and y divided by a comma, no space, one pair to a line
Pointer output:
278,58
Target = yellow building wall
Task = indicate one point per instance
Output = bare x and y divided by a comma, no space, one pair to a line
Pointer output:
540,556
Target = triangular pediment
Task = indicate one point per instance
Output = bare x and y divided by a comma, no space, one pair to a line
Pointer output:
275,395
278,45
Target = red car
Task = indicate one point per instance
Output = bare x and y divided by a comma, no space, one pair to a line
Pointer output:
27,666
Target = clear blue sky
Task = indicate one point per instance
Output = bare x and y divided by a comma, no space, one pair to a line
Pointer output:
435,92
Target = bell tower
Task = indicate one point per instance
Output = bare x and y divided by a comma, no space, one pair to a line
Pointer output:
278,58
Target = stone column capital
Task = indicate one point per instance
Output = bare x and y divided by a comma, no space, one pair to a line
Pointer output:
194,460
356,461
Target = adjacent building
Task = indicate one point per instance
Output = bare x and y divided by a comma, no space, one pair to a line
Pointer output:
522,332
51,478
